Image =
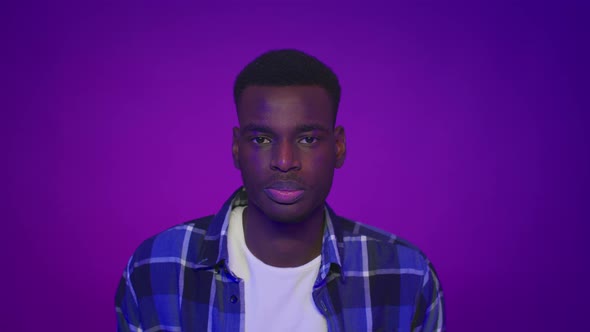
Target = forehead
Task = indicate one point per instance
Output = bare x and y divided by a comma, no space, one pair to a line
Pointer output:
285,105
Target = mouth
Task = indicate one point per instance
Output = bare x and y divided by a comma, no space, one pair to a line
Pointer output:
284,196
284,192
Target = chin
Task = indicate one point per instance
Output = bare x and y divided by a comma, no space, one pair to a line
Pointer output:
285,213
288,214
291,213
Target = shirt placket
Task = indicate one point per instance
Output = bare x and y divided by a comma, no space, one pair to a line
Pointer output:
323,302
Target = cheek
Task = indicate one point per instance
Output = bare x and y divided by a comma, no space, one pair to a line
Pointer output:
321,164
252,159
327,156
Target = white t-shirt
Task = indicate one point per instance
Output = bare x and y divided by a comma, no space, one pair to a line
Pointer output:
276,298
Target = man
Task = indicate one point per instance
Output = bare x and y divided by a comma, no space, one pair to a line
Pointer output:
276,257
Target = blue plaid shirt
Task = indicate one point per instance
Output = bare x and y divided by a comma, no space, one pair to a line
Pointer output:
369,280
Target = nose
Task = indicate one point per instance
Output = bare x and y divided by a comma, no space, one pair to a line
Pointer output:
285,157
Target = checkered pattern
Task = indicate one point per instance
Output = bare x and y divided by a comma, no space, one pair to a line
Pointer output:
369,280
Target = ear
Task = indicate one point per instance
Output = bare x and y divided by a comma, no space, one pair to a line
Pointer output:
235,149
340,140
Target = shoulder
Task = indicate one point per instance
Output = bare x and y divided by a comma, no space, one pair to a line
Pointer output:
157,263
171,243
382,249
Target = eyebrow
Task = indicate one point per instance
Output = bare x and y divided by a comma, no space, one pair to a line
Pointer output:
311,127
257,128
300,128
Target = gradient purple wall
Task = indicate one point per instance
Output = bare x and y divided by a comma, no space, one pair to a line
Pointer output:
466,125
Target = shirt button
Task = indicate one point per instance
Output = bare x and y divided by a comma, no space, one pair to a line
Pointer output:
233,299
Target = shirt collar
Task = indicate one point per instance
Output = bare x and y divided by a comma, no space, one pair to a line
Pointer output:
213,250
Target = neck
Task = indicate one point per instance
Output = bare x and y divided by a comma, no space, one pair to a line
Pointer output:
283,244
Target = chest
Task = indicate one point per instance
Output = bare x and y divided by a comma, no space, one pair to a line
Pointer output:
357,304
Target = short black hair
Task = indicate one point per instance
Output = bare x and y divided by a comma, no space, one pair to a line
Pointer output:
288,67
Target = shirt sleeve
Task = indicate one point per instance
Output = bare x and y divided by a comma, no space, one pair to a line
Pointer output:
430,310
126,306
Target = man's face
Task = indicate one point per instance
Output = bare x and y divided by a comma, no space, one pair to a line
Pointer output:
287,149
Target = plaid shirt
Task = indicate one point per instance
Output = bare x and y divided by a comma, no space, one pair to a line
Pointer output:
369,280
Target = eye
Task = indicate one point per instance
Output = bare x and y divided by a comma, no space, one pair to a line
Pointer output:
308,140
260,140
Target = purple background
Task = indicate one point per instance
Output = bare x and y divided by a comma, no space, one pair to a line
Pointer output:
467,135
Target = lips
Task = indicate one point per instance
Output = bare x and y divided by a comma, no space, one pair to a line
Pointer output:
284,192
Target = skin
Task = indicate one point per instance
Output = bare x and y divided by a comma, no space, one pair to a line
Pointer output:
286,134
